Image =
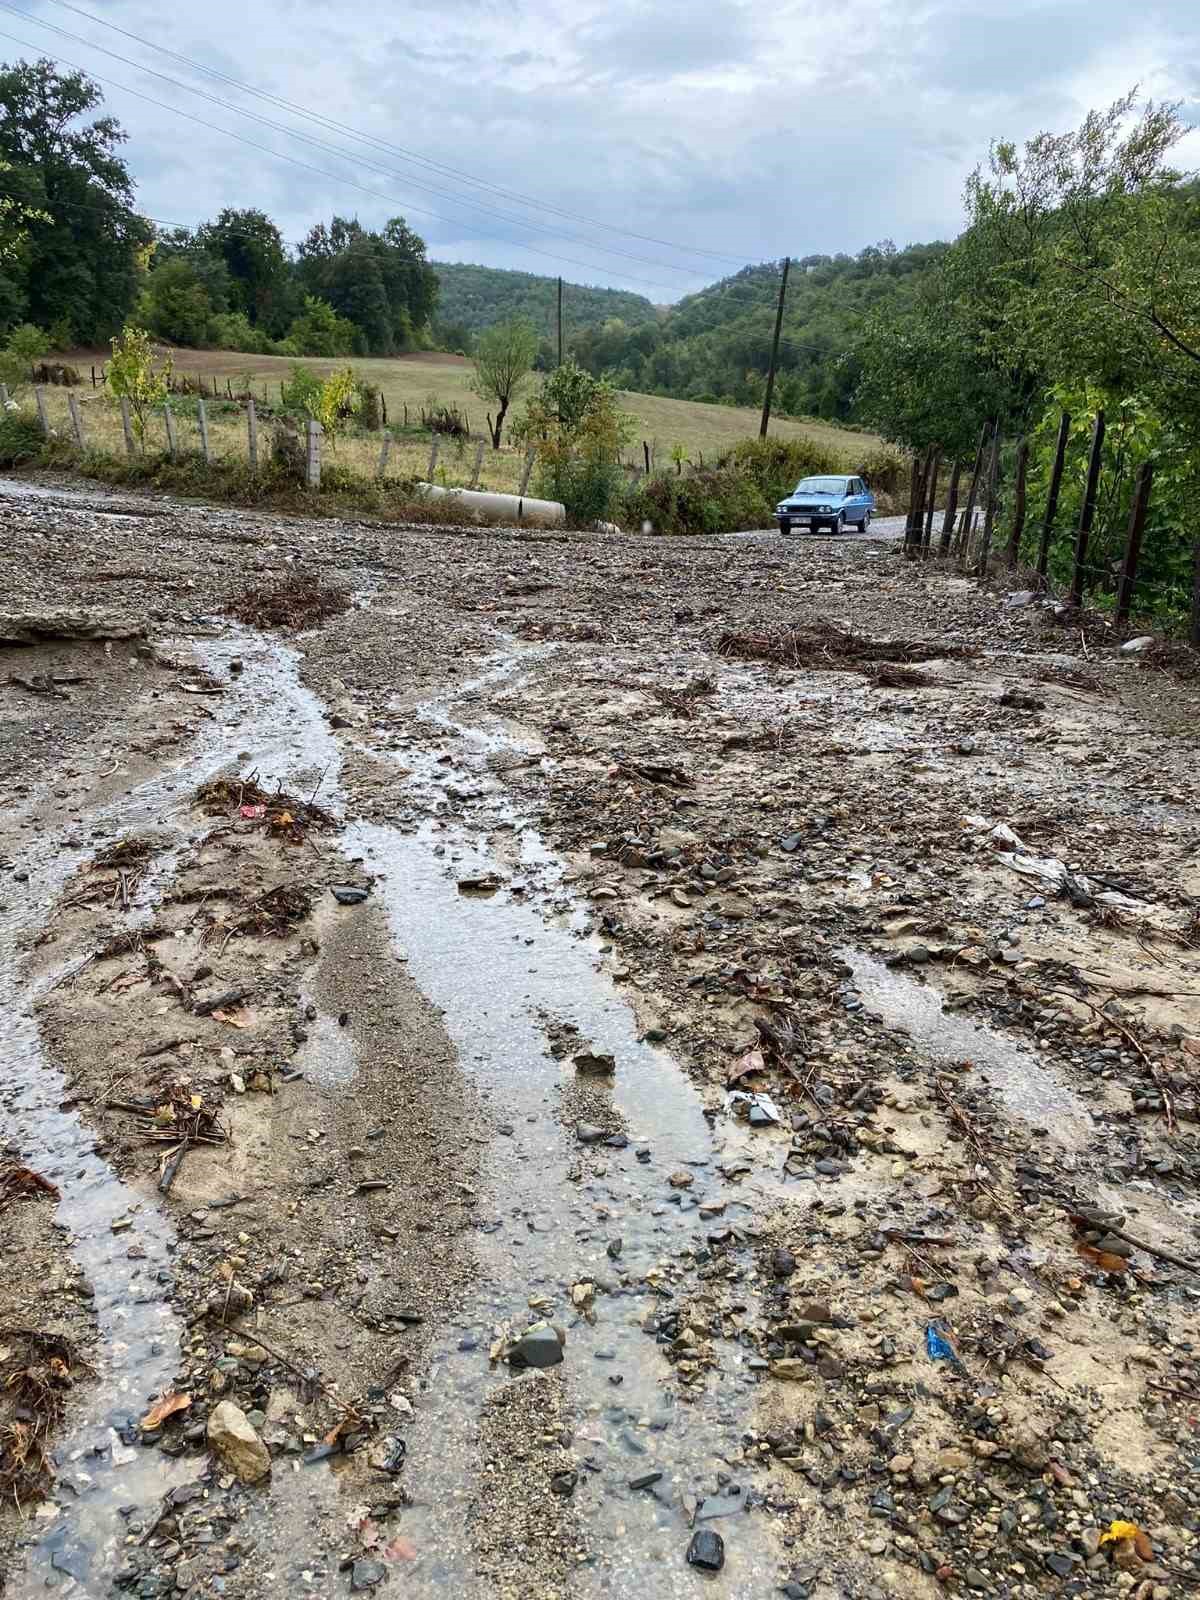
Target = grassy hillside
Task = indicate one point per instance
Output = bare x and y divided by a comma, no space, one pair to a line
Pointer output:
662,421
472,298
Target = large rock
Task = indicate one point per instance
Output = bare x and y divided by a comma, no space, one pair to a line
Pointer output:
539,1346
237,1444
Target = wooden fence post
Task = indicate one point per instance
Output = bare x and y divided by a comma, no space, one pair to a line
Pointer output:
964,531
1194,630
479,449
1018,522
1087,512
76,419
313,459
931,483
39,395
989,516
528,468
4,394
1133,544
127,425
383,407
433,455
406,413
202,419
252,432
646,453
1056,475
951,509
914,518
93,377
169,418
385,450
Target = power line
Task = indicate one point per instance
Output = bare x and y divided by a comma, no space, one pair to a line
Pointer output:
383,144
331,177
344,155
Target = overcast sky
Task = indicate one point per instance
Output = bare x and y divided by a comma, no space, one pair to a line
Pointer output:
742,130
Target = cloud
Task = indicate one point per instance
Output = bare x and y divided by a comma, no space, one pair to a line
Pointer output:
721,133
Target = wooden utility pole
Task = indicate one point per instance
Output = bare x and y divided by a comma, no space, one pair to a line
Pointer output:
766,411
1133,544
1060,456
560,339
1087,512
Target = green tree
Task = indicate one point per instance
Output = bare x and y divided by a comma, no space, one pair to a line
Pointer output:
320,331
134,376
504,357
175,304
251,248
23,347
81,264
577,427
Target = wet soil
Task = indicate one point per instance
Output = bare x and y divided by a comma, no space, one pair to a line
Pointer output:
808,1244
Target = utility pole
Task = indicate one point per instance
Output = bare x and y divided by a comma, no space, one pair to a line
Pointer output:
766,414
560,349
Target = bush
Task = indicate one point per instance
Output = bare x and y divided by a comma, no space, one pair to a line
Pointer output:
300,396
775,466
714,500
289,453
321,332
370,407
587,489
232,330
57,372
24,346
885,470
21,438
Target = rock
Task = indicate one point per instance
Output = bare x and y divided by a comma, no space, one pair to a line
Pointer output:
237,1444
589,1133
1019,599
366,1574
563,1483
594,1064
681,1180
539,1346
783,1263
347,894
1133,647
645,1480
1061,1566
792,1369
706,1550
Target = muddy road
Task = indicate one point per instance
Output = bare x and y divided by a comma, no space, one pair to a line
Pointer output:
549,1066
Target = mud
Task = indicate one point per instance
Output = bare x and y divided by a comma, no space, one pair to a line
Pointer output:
777,897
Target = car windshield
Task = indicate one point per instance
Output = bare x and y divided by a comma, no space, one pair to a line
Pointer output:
820,486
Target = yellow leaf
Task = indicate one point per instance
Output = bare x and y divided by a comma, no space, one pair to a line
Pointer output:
1120,1530
196,1102
166,1407
284,819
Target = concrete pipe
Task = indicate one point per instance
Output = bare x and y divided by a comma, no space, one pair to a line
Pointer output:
488,507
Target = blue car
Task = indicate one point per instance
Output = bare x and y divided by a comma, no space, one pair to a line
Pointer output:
827,502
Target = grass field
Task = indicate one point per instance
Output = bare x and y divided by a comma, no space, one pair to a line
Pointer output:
703,430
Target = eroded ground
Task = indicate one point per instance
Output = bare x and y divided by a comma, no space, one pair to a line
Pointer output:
812,1042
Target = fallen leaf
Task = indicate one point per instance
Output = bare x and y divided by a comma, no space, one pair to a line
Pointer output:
229,1018
751,1062
1120,1530
1107,1263
401,1549
196,1102
369,1534
1141,1543
165,1407
284,819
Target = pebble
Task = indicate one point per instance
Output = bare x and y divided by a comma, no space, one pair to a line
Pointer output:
706,1550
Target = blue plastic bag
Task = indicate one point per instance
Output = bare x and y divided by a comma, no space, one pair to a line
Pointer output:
936,1343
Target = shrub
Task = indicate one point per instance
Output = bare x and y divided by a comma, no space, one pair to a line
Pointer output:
775,466
370,407
57,372
232,330
714,500
289,452
321,332
20,438
300,396
132,375
23,347
885,470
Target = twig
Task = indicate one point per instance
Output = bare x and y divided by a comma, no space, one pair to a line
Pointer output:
305,1377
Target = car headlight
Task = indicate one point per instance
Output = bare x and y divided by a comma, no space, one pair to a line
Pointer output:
826,508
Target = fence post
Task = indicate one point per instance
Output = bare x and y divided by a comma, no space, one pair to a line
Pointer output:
964,532
313,459
931,483
93,376
1060,456
1018,523
1133,544
76,419
989,516
39,395
127,425
252,432
479,449
3,394
433,455
1194,630
912,522
169,418
385,450
1087,511
202,419
951,509
383,407
528,468
646,453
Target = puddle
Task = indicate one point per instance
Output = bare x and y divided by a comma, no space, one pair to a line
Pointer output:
1025,1083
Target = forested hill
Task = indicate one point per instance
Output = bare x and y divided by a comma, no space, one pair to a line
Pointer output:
716,345
472,298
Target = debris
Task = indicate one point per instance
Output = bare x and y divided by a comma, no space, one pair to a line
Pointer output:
300,600
645,1480
937,1344
825,645
347,894
22,1183
35,627
539,1346
1133,647
36,1372
167,1406
480,883
589,1133
237,1444
706,1550
594,1064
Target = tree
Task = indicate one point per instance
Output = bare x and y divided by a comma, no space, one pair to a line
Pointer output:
251,248
80,265
576,424
320,331
504,358
133,376
380,281
175,304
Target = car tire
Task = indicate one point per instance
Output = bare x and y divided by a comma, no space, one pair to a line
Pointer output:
785,527
839,523
866,522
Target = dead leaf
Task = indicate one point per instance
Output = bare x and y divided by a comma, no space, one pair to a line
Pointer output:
401,1549
751,1062
1106,1262
229,1018
1141,1543
165,1407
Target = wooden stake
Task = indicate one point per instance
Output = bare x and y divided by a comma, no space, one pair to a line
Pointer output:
528,468
989,517
433,456
1194,630
312,474
172,448
964,532
479,449
1133,543
385,450
1087,512
252,432
1018,522
127,425
951,509
39,394
931,483
202,419
912,522
76,419
1060,456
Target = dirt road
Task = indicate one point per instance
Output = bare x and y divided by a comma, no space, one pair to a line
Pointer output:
596,1053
